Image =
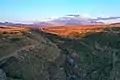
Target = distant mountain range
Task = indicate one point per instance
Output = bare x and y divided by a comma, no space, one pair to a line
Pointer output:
70,20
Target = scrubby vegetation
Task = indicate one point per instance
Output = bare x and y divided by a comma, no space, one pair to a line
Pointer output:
36,55
98,54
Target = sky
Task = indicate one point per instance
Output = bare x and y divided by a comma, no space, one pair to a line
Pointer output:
36,10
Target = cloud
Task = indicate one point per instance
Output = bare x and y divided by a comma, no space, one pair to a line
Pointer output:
85,15
103,15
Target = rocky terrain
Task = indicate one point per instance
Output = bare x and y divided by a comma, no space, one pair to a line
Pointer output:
27,56
35,55
98,54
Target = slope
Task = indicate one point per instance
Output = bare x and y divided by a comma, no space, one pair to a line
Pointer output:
98,53
26,56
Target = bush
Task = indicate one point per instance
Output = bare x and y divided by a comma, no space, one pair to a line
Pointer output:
15,39
5,32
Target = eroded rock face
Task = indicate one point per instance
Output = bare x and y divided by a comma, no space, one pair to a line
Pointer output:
32,61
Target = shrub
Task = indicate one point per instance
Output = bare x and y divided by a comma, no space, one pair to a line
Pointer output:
15,39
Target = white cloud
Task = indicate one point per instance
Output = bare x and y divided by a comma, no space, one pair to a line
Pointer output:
110,21
104,16
85,15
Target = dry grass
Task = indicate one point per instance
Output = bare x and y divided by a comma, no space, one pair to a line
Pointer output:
81,29
13,30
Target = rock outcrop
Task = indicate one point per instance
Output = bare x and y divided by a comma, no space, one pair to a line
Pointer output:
34,59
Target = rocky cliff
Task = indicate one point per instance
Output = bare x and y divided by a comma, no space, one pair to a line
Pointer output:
30,56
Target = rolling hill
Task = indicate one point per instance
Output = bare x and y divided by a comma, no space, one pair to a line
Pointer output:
79,29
